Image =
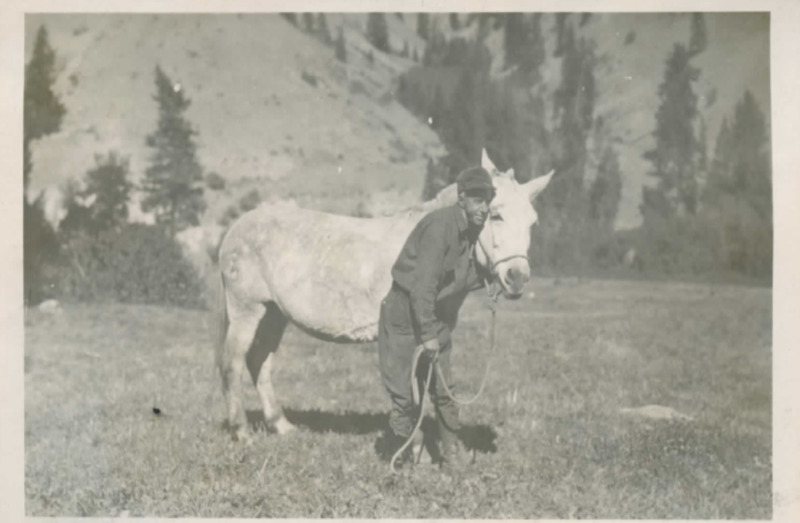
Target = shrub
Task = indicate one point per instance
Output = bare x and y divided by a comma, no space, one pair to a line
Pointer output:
250,201
215,182
134,263
40,253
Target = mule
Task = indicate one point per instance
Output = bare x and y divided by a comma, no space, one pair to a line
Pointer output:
328,273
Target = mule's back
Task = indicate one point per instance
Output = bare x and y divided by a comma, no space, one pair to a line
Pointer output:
327,273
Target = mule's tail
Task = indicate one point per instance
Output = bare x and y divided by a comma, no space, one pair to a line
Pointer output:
222,327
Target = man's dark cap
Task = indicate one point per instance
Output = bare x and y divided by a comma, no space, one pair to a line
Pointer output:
475,180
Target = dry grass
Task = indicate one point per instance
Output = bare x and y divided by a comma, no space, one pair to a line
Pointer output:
549,439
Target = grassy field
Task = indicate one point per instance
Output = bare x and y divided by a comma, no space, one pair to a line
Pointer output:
549,437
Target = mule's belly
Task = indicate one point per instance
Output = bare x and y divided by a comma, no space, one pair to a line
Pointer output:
334,317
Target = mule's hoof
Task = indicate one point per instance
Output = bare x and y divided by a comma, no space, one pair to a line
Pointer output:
282,427
243,436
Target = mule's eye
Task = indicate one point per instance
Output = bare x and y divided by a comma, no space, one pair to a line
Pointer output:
496,217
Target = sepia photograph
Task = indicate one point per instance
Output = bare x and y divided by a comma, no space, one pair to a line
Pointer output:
427,264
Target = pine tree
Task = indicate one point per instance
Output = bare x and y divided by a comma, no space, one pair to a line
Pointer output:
702,148
504,132
438,111
719,172
741,167
43,111
698,40
107,183
535,55
561,33
78,217
42,115
378,31
468,120
675,156
341,49
455,23
515,39
606,191
524,44
308,22
40,250
173,182
322,29
423,25
574,111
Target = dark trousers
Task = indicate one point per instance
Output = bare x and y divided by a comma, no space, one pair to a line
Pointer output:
397,341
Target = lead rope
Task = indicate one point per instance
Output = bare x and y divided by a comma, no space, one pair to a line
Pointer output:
419,401
493,295
419,397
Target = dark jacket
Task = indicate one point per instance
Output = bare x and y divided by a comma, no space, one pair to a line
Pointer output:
437,269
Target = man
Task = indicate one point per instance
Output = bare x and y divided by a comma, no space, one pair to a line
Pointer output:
432,276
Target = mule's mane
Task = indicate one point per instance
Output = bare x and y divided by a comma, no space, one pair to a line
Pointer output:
445,197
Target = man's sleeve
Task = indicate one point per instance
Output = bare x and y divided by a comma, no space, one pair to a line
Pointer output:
430,257
476,276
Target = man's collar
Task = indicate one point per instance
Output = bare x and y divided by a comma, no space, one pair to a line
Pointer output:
461,219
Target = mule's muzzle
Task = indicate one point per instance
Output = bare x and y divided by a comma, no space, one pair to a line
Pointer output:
514,280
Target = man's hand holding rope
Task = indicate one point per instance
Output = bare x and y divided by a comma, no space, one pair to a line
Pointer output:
431,349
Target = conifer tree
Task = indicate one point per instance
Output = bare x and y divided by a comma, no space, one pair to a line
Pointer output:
606,191
341,49
467,115
718,176
515,39
438,111
675,156
574,110
308,22
322,29
43,111
378,31
524,44
455,23
423,25
698,39
42,115
108,185
741,166
173,182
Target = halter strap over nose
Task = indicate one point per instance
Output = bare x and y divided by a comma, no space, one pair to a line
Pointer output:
494,263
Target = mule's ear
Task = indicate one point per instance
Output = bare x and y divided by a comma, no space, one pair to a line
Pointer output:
510,174
537,185
487,164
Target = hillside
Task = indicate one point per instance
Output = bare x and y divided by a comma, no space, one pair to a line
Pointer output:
275,110
631,51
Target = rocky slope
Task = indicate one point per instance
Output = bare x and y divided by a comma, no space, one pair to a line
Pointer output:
275,111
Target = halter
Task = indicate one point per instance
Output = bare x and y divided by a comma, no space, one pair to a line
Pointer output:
494,263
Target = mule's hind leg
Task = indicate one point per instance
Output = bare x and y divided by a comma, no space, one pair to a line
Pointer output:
259,363
244,321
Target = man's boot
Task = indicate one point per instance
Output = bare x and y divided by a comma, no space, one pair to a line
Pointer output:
394,443
454,458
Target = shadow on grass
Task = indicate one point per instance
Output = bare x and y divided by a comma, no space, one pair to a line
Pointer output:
476,438
316,420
